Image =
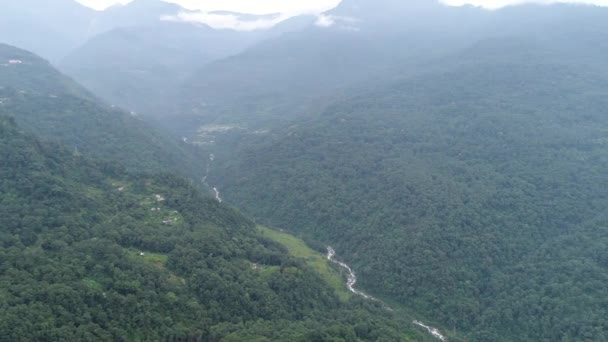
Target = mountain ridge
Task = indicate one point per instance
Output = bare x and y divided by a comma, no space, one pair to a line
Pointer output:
90,251
53,106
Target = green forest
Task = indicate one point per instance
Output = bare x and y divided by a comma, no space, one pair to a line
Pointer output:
54,107
90,252
473,194
368,170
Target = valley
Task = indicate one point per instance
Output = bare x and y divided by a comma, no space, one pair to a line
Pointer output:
453,156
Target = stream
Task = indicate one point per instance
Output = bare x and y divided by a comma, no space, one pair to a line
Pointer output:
217,192
352,280
217,195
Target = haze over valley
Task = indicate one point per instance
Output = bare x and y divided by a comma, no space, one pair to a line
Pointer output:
360,170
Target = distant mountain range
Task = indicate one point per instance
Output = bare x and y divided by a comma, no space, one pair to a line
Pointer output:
132,55
55,30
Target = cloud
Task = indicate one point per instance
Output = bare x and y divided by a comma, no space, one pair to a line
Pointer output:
296,7
101,5
496,4
346,23
288,7
228,20
202,11
325,20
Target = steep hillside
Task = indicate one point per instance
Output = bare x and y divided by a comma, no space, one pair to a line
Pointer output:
136,13
136,67
49,30
51,105
358,44
90,252
471,193
54,30
283,78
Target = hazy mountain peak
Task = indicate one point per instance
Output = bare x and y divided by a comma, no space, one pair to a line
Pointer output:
247,16
365,8
367,15
147,5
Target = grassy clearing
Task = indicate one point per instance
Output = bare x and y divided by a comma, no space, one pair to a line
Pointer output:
159,260
267,271
317,261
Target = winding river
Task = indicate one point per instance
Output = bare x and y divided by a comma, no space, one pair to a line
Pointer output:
217,195
351,280
217,192
352,277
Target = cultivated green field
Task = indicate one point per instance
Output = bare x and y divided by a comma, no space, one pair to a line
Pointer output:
319,262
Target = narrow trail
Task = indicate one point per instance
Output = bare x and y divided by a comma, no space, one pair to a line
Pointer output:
352,280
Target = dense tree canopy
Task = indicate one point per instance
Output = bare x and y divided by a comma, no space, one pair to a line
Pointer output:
472,194
89,252
52,106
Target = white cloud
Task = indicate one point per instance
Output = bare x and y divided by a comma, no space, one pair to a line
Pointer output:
345,23
294,7
102,4
324,20
228,21
288,7
496,4
201,11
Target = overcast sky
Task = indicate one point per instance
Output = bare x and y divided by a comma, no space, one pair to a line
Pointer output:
244,6
494,4
304,6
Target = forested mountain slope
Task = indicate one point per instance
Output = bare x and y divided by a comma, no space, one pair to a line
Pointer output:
47,30
283,78
137,66
90,252
359,44
54,107
471,193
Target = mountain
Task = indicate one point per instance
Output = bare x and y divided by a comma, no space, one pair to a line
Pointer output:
91,252
281,78
54,32
48,30
357,43
53,106
454,156
295,73
379,14
468,192
134,67
146,51
135,13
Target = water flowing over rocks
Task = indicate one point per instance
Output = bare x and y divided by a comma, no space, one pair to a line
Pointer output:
352,280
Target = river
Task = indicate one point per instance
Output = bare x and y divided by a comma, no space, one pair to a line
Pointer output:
351,280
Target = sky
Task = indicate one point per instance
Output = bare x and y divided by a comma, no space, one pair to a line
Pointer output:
294,7
286,9
495,4
245,6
